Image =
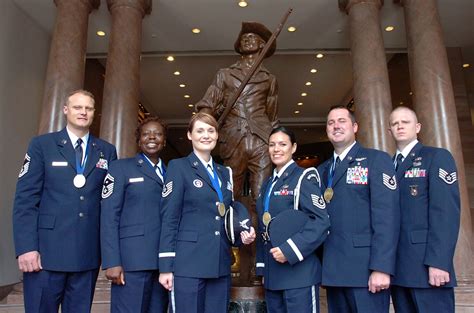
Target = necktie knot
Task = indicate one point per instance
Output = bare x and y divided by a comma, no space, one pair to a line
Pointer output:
78,142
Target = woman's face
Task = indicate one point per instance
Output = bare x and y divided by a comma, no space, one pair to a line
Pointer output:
152,139
281,149
203,137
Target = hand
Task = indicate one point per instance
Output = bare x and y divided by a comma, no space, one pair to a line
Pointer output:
378,281
248,237
30,262
116,275
166,279
278,255
437,277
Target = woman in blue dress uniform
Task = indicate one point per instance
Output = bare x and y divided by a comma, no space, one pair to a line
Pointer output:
131,224
291,270
194,253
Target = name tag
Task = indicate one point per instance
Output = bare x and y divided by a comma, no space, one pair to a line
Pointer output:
136,180
59,163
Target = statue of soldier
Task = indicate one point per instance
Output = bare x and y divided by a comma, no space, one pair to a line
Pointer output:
243,137
244,134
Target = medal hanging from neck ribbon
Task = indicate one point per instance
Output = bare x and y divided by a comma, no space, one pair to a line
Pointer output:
329,192
267,217
215,183
79,180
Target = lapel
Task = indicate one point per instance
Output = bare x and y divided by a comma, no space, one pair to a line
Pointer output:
65,147
199,169
145,167
284,177
408,162
220,174
342,167
325,172
94,155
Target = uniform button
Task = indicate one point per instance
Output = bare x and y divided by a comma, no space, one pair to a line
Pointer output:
217,233
218,218
81,214
81,198
329,232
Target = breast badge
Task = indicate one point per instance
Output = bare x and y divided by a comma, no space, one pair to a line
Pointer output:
197,183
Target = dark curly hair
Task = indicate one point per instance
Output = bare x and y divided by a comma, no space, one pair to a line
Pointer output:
150,119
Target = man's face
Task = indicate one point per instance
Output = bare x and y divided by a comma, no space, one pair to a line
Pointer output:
404,126
340,129
79,111
251,43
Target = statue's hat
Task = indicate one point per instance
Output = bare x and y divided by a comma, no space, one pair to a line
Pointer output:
259,29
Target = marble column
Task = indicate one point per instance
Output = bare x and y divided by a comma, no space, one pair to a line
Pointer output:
66,63
122,75
434,101
372,98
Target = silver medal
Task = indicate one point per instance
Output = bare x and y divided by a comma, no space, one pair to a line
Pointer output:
79,181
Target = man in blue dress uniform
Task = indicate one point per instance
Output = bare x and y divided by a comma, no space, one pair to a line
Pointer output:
56,212
430,207
363,205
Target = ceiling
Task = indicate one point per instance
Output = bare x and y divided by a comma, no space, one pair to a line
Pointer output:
321,27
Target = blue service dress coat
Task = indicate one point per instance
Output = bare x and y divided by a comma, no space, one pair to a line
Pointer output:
365,218
193,242
303,268
430,216
52,216
130,218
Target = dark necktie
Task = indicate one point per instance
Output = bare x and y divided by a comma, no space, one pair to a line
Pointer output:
78,150
398,161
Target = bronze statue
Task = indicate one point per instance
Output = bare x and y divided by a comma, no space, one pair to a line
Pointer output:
243,136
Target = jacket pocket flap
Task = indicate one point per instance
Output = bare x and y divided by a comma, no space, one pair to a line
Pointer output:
132,231
419,236
361,240
187,235
46,221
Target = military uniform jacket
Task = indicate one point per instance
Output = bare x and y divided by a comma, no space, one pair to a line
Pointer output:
430,214
365,218
255,110
303,268
52,216
130,218
193,242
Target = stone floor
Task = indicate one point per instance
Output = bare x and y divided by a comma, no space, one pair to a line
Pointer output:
13,303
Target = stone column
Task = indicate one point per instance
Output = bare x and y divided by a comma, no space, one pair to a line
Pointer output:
66,63
371,86
122,75
434,102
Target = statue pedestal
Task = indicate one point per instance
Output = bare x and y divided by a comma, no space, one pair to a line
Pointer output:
247,300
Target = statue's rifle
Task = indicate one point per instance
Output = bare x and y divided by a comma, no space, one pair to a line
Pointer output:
256,64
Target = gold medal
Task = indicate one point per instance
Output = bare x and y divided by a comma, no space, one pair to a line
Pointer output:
328,194
266,218
221,208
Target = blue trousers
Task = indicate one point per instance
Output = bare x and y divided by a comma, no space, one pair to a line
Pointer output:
142,293
45,291
200,295
423,300
298,300
357,300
